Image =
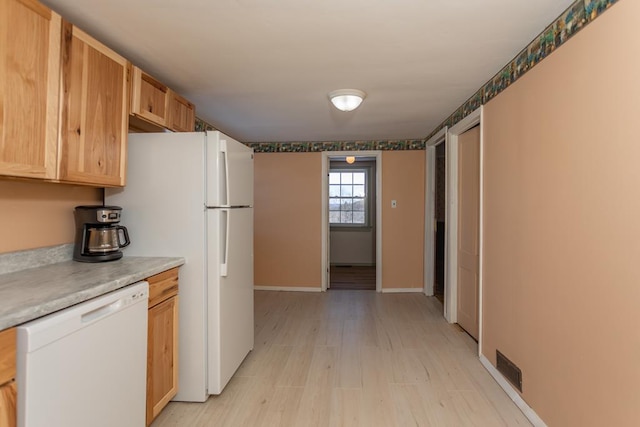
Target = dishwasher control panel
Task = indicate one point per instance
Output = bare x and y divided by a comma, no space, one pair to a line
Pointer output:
143,294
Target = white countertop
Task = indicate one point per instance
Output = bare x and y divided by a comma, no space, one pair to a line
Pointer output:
28,294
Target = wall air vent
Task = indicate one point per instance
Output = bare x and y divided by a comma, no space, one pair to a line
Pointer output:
509,370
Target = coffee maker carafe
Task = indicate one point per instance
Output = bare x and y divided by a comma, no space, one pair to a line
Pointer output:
98,235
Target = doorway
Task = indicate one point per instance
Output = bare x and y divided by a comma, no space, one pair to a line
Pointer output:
434,178
468,229
453,268
351,221
440,221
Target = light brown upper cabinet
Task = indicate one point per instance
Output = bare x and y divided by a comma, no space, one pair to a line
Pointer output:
95,90
149,98
29,89
155,103
182,114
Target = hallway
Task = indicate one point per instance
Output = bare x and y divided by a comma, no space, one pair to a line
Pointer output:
354,358
352,277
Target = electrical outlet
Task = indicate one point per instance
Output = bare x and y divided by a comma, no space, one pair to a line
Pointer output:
394,204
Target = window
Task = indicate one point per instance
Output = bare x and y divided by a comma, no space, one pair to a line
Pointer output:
348,203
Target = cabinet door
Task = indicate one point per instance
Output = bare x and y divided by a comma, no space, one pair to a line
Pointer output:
162,357
7,374
30,36
182,114
149,98
7,355
8,396
95,111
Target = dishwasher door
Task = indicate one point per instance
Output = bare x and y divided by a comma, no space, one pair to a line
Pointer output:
86,365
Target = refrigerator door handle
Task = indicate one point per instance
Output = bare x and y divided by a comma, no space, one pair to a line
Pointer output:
224,231
224,201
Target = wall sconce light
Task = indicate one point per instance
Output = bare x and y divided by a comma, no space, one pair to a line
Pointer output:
350,159
347,99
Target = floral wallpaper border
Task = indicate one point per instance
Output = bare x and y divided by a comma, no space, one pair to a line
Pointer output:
202,126
304,147
572,20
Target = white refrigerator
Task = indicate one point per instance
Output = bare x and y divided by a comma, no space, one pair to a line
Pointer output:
191,195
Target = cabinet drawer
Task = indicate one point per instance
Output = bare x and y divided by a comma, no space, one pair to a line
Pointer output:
163,286
7,355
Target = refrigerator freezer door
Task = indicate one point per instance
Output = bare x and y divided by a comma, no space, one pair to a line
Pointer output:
230,297
230,171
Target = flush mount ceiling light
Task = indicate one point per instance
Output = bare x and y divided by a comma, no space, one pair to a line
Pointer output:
347,99
350,159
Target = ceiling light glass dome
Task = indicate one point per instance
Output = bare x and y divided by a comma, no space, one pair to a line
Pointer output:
347,99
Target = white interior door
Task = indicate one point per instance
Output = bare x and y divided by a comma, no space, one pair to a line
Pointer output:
468,229
230,293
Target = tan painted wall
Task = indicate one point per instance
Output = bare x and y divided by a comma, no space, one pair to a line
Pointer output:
287,212
403,227
37,214
562,228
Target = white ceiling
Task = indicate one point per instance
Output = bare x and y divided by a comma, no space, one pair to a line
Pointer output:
260,70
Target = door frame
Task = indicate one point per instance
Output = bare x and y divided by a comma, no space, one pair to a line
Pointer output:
326,156
430,212
451,235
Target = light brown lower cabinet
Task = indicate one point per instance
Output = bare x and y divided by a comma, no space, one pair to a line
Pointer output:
8,391
8,396
162,345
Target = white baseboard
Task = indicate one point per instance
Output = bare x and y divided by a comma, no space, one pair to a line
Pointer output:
402,290
287,288
512,393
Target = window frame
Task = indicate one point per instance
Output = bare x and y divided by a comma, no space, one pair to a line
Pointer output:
367,199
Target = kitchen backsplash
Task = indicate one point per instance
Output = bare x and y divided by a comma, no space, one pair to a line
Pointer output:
32,258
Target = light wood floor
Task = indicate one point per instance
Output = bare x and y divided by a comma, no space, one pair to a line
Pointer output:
354,358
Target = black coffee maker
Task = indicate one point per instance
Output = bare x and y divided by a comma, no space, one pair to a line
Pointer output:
98,235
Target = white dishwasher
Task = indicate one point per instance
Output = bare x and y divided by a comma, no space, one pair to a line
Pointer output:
86,365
